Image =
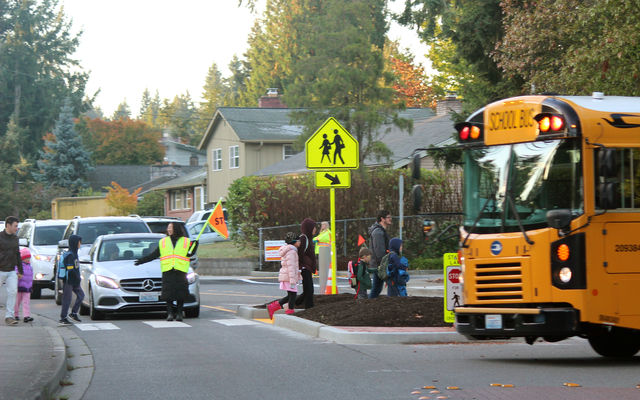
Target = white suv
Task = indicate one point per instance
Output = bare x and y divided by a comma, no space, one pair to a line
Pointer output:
41,237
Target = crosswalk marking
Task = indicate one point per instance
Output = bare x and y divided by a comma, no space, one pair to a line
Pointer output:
234,322
104,326
167,324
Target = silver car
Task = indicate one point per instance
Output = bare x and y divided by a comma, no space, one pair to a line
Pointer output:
112,283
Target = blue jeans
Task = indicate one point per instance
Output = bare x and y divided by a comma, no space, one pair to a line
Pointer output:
10,279
377,285
67,291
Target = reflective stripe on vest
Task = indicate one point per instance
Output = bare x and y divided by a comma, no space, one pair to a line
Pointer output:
174,258
323,239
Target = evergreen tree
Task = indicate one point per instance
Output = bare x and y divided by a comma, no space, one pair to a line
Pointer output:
145,104
64,162
235,84
122,112
213,95
343,72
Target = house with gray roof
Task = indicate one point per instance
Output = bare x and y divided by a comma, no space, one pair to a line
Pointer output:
241,141
185,194
429,130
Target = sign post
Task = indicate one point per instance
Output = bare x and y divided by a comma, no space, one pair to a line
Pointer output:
331,151
452,287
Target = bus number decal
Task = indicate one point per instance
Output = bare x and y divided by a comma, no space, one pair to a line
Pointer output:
511,119
627,247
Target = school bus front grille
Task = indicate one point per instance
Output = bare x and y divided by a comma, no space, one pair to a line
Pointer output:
498,281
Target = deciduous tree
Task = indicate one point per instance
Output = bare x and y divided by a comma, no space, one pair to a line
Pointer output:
126,141
121,200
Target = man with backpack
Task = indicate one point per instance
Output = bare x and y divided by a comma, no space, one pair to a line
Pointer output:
379,244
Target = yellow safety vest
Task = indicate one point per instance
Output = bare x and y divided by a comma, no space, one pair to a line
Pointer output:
323,239
171,258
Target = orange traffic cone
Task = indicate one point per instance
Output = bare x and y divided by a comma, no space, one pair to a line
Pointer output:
327,290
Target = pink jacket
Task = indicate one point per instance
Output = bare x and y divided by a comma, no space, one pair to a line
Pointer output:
289,271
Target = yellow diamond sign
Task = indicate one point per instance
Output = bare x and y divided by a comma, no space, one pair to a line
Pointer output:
332,147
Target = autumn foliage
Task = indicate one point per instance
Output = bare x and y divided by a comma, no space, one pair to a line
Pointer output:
411,84
121,200
124,141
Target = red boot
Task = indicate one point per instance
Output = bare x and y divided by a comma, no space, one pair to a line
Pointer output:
289,312
273,307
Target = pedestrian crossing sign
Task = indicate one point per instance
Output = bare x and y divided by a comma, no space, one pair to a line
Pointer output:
332,147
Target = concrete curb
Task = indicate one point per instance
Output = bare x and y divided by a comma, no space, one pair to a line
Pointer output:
343,336
59,353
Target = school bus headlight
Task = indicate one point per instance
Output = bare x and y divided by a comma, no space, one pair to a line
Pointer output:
565,274
563,252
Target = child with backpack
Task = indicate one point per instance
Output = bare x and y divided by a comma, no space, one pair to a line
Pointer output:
361,273
289,275
398,265
69,261
25,283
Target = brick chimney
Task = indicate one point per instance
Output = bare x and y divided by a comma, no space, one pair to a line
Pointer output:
271,100
448,104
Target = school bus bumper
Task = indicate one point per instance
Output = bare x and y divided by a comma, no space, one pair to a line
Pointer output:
506,322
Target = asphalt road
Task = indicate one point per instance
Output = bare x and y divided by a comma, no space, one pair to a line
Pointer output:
219,356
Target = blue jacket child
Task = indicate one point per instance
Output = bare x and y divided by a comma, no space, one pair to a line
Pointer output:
72,283
398,275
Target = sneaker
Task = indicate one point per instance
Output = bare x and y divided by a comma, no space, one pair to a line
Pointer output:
273,307
17,318
64,322
10,321
28,319
75,317
289,312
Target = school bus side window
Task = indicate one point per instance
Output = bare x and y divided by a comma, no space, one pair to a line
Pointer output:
623,181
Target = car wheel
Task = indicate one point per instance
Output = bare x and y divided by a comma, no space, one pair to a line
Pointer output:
36,292
93,313
192,312
57,295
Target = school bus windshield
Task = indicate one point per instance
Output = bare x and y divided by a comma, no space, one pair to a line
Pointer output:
524,178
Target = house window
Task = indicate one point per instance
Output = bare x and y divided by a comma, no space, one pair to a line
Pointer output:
198,199
287,151
217,159
188,199
176,200
234,156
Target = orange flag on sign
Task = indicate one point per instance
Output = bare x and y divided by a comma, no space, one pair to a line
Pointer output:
217,222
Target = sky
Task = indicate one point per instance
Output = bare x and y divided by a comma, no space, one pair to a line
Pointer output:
128,46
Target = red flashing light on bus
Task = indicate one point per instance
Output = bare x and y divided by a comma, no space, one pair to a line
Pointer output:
468,132
550,123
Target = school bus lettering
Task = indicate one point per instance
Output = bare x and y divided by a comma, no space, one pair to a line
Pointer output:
511,119
609,318
627,247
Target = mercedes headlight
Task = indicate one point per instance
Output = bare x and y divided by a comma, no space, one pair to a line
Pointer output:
191,277
106,282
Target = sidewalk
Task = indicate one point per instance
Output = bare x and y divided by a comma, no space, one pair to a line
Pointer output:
32,360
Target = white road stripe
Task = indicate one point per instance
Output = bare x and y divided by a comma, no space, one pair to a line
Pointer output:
235,322
104,326
167,324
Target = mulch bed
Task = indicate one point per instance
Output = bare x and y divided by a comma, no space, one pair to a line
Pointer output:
344,310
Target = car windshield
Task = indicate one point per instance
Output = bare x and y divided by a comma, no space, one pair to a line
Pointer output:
126,249
48,235
195,229
89,231
525,178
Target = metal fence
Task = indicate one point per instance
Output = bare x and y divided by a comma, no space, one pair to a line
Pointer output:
408,228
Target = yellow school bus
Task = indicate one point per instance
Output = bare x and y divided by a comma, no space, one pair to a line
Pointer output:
550,244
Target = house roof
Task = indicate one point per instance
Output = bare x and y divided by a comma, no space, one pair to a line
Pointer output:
428,130
255,124
125,175
195,178
182,146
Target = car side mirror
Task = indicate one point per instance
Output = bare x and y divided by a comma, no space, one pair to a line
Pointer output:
559,219
84,259
63,244
24,242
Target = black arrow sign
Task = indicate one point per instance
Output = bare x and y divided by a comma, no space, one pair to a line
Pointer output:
334,179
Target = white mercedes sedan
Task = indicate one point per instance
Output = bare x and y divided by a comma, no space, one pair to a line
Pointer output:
113,284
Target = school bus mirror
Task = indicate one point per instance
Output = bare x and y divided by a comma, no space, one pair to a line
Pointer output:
415,167
607,195
607,163
559,219
416,198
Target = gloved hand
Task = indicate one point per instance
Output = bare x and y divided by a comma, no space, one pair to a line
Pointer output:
136,262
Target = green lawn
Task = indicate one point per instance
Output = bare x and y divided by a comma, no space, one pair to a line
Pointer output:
226,250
